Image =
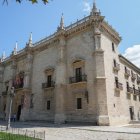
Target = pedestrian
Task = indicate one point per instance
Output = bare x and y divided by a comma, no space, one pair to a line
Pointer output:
14,117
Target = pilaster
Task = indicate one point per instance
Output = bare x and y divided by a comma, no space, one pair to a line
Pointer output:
60,89
100,88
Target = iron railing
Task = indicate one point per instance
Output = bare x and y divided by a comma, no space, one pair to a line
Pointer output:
119,86
76,79
127,72
4,93
18,133
116,66
133,76
130,89
138,79
19,86
137,91
48,84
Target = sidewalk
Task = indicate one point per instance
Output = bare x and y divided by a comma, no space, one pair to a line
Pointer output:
75,132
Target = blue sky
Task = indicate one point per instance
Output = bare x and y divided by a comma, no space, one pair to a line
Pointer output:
18,20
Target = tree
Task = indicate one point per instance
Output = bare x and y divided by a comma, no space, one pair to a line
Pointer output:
33,1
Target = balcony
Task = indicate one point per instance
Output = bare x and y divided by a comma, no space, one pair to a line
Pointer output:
4,93
133,76
127,73
19,86
137,92
77,79
119,86
116,67
48,85
129,90
138,79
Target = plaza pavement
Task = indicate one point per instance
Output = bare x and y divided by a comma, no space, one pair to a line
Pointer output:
79,132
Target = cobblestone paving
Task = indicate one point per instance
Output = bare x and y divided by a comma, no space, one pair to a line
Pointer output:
67,132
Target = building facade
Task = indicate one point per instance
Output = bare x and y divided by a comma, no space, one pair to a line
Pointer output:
74,75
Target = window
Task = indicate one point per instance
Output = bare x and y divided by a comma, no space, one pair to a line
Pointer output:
134,89
127,84
114,62
49,79
79,103
113,47
78,74
125,69
48,105
116,82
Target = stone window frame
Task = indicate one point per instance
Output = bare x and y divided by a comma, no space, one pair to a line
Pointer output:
78,63
49,71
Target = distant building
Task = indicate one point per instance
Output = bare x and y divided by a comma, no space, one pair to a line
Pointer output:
74,75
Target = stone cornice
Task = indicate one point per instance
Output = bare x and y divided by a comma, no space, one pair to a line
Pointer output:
79,26
111,32
130,64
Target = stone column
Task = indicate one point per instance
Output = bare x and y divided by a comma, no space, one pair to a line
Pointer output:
60,89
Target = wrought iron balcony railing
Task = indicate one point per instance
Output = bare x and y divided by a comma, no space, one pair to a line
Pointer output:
129,89
48,84
133,76
116,67
138,79
19,86
136,91
4,93
119,86
127,72
76,79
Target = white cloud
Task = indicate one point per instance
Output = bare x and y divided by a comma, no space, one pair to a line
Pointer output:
86,6
133,54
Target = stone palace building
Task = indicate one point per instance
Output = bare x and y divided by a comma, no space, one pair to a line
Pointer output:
74,75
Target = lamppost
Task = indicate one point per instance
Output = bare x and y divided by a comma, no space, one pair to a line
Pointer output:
12,94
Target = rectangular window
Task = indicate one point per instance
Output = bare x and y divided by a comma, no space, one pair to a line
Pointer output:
134,89
78,74
113,47
79,103
116,82
48,105
49,79
115,64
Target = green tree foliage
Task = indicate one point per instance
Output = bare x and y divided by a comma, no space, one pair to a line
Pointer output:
32,1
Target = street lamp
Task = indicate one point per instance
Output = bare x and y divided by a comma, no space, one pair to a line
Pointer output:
12,94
